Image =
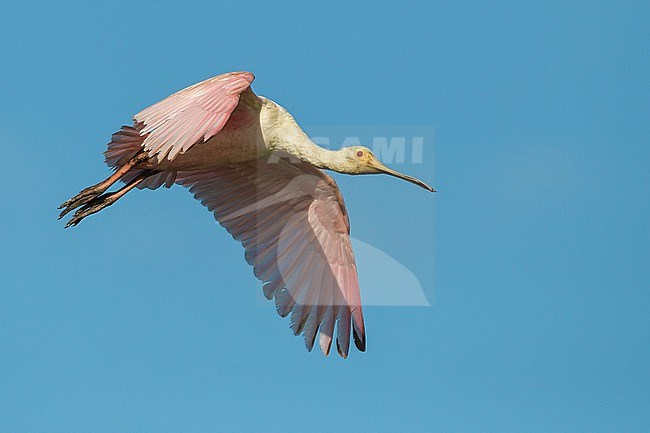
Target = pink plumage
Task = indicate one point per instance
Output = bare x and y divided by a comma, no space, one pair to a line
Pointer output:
194,114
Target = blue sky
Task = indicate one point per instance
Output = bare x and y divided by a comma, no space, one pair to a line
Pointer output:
534,252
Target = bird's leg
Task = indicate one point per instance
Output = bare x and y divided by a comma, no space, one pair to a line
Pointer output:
95,191
105,200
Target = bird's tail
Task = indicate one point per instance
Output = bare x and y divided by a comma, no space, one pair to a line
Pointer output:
124,146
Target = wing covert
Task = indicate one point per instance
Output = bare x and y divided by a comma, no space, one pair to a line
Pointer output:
192,115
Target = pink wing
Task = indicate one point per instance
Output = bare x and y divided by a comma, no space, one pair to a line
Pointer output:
194,114
291,219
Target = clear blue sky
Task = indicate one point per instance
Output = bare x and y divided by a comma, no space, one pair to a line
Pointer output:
535,252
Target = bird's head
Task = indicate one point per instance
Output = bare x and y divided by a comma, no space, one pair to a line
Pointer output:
361,160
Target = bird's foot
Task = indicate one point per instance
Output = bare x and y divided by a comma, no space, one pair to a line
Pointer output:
97,202
90,206
92,192
84,197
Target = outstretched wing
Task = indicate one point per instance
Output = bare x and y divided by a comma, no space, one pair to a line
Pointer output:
291,219
192,115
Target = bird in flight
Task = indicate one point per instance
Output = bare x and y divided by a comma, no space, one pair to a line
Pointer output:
245,158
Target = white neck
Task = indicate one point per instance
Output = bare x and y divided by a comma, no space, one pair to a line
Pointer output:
310,152
281,132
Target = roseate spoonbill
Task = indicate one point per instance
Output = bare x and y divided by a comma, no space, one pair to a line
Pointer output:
247,160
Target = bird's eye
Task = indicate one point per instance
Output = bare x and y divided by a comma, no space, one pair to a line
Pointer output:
360,153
